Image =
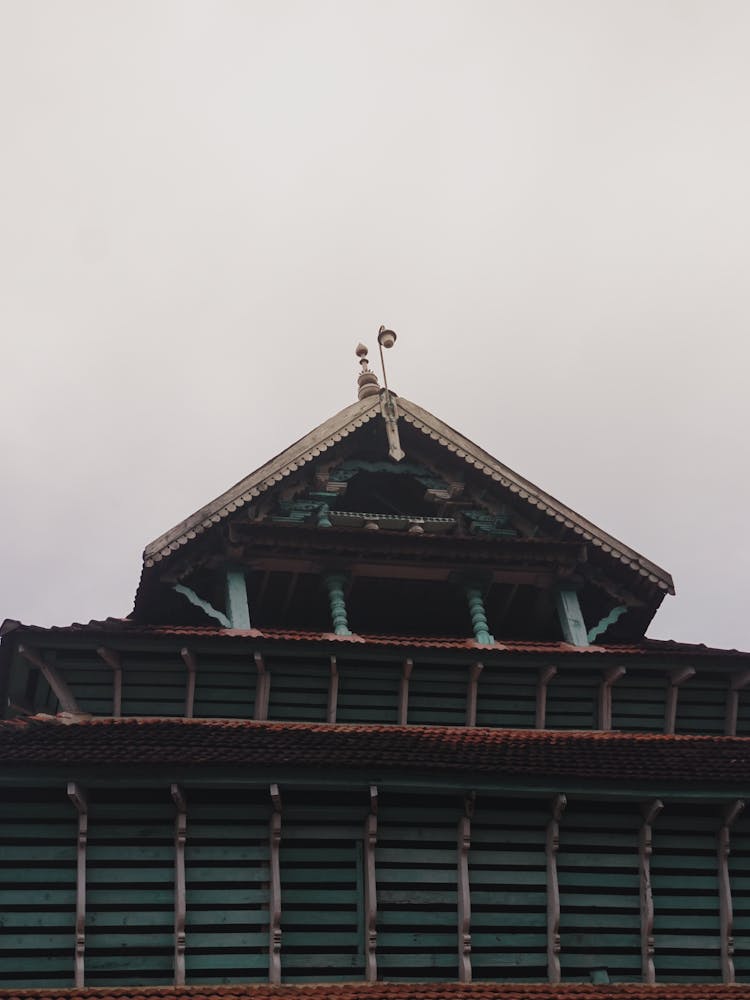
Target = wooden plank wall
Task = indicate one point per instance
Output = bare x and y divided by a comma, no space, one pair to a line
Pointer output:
739,877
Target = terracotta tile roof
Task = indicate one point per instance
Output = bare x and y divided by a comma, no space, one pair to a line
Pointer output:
123,626
393,991
49,740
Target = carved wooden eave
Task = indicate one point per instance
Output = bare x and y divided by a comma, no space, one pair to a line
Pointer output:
347,421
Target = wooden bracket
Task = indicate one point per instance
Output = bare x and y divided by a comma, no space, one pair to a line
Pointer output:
649,811
675,679
262,688
333,692
403,692
78,797
180,905
545,676
112,659
471,694
198,602
274,942
464,891
726,914
55,680
370,887
610,677
191,663
736,684
552,845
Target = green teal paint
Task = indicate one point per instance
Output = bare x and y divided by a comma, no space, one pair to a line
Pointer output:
489,525
203,605
335,583
571,619
478,616
237,607
601,627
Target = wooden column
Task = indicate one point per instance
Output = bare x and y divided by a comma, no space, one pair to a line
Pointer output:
55,680
238,611
191,663
736,684
336,582
464,892
113,662
649,812
675,679
553,889
403,692
180,832
371,899
274,943
333,691
471,694
726,916
77,796
478,615
571,618
262,689
545,676
610,677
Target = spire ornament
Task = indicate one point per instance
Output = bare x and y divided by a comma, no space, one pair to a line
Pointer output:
367,381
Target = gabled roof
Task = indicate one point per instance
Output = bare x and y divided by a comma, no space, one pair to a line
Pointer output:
334,430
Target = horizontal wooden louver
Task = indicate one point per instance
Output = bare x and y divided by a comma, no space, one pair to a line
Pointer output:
743,712
227,872
299,690
598,875
638,701
507,698
225,687
507,876
416,872
322,893
368,691
684,879
739,880
437,695
571,700
89,679
38,833
130,888
702,705
153,685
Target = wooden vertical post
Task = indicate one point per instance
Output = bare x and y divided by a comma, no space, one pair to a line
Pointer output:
471,694
478,615
552,846
191,663
464,892
113,662
333,691
611,676
403,692
675,678
77,796
736,684
571,617
180,833
545,676
238,611
649,812
274,943
262,688
726,916
335,583
371,899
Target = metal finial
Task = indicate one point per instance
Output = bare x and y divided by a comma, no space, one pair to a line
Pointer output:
367,381
386,338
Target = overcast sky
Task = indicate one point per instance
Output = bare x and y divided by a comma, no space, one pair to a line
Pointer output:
205,205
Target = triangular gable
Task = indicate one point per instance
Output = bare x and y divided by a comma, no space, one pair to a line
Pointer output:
335,429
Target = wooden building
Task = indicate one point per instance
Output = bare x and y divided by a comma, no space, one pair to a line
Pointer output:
383,715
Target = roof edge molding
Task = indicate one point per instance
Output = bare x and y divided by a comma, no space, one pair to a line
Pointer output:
348,420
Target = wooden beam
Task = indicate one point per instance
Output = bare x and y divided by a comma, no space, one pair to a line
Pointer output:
77,796
180,905
112,659
544,677
371,898
333,691
571,617
736,684
403,692
649,812
262,688
610,677
552,845
464,892
335,583
274,942
238,611
191,663
471,694
726,915
675,679
55,680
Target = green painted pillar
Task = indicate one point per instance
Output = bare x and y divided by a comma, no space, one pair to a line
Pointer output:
238,611
571,618
478,615
335,582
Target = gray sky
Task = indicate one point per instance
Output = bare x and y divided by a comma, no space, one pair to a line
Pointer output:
205,205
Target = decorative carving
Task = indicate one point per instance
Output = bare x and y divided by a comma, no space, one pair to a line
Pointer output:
488,524
603,624
478,615
335,582
198,602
